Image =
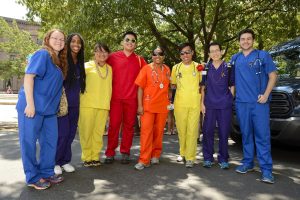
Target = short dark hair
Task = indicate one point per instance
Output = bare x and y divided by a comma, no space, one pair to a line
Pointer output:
130,33
247,30
158,47
186,44
101,46
214,44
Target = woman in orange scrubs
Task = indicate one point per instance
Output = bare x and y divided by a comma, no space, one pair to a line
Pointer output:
153,81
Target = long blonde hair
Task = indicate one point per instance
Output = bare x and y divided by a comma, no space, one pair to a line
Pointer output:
61,59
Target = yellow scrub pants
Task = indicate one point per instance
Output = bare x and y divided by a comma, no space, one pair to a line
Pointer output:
91,129
187,123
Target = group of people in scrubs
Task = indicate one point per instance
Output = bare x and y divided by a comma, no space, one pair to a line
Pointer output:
121,85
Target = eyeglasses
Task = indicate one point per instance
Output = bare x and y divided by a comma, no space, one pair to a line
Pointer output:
185,52
57,39
158,54
130,40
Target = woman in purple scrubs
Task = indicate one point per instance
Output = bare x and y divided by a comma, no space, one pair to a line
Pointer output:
217,97
74,84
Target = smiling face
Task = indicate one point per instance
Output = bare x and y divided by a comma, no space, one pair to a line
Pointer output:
246,42
129,43
158,56
186,55
101,55
215,53
75,44
57,41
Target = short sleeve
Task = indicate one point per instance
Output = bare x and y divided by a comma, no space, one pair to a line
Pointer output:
38,63
268,63
141,79
173,75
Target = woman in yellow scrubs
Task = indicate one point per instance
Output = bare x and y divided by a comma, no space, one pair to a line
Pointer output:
95,106
186,78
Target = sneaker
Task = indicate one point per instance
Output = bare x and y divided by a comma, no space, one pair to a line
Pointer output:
154,161
125,159
140,166
207,164
243,169
96,163
57,170
189,164
180,159
267,178
67,168
87,163
40,185
55,179
109,160
224,165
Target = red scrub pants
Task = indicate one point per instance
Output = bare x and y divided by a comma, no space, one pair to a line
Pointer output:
122,111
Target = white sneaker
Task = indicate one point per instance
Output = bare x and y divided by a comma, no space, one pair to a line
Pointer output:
57,170
154,161
68,168
180,158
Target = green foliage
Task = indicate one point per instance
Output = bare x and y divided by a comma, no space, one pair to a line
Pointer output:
168,23
16,44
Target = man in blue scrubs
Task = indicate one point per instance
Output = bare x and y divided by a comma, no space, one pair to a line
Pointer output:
255,76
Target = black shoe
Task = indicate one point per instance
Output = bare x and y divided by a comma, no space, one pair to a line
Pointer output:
96,163
125,159
87,164
109,160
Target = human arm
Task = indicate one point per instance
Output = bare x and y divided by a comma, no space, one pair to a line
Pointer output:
140,110
28,88
262,98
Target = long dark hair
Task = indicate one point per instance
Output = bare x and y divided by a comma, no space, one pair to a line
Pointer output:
72,67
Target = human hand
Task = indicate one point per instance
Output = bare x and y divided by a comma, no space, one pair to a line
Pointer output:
203,108
262,98
29,111
140,110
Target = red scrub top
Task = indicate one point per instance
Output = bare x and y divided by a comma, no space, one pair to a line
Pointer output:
125,70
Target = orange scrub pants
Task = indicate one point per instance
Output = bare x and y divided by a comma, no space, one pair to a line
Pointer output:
152,130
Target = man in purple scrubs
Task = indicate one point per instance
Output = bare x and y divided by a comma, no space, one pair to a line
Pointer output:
217,97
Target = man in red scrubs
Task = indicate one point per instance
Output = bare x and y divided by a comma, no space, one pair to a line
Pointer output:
126,66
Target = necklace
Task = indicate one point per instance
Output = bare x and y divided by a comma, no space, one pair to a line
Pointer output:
154,72
99,73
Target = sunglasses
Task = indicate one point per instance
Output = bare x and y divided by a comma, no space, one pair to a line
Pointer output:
130,40
158,54
185,52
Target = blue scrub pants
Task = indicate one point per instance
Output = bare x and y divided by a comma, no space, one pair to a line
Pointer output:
254,120
43,129
223,118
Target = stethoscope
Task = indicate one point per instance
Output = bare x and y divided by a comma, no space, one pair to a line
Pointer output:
156,80
179,74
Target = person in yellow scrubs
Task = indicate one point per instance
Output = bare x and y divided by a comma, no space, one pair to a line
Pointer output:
186,78
95,106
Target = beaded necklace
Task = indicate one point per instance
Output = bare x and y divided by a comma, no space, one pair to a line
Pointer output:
99,73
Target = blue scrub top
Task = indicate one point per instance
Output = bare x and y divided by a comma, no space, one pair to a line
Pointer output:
218,95
252,74
47,84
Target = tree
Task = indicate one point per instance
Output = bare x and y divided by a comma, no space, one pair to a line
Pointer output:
169,22
17,45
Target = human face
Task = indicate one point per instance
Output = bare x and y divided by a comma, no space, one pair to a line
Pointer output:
215,53
186,55
129,43
57,41
158,56
246,42
75,44
101,56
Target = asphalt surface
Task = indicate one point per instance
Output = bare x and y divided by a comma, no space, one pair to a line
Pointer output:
168,180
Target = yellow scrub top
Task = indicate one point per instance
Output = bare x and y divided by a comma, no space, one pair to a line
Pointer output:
98,88
187,80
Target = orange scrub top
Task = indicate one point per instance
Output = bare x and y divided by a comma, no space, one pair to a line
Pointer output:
155,84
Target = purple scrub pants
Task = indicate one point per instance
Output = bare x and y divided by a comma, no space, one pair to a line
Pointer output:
67,126
223,118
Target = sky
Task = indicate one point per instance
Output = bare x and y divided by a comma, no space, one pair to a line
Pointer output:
9,8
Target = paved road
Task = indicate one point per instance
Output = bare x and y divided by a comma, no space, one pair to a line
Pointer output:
169,180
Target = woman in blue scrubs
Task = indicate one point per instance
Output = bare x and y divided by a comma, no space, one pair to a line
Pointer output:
217,97
37,107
